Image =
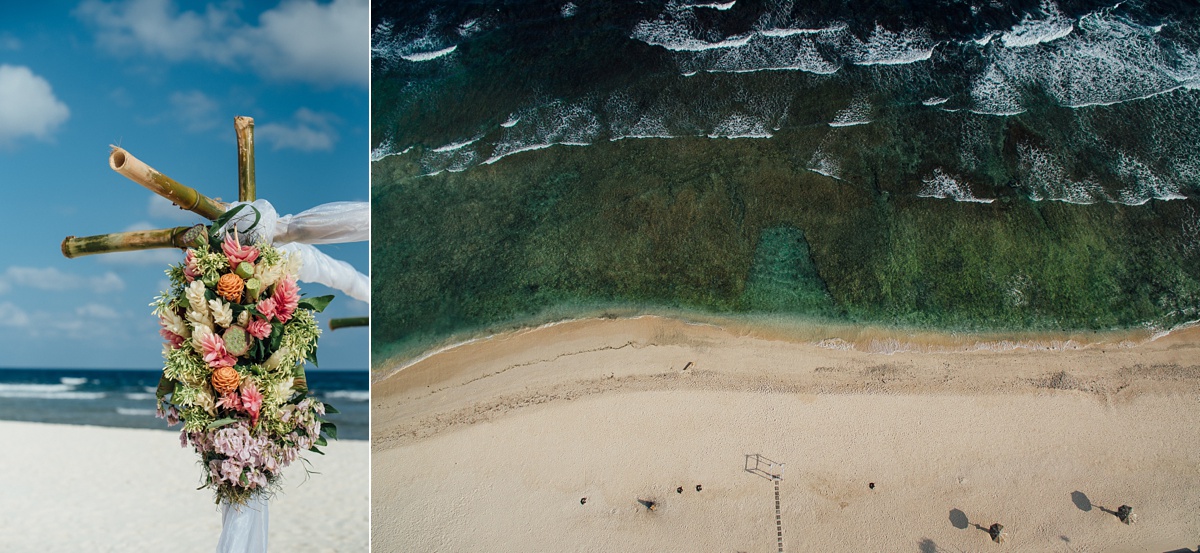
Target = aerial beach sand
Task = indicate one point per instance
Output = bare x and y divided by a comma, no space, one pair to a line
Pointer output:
83,488
493,444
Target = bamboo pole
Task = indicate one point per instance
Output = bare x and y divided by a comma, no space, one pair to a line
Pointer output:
177,237
183,196
244,127
347,322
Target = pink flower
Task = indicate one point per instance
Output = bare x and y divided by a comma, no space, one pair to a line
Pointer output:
267,308
190,270
174,339
259,328
214,351
230,401
251,402
237,253
287,298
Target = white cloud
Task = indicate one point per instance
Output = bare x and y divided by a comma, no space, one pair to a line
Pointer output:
28,106
308,131
53,279
194,110
96,311
303,40
9,42
11,315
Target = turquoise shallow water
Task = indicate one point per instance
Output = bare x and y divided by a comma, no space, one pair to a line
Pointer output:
1033,167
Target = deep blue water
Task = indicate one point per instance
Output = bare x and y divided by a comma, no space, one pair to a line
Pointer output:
125,398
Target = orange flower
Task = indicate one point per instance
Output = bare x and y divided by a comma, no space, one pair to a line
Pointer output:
230,287
225,380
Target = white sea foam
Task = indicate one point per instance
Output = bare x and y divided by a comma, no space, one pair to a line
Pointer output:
740,125
457,145
45,391
764,53
512,120
427,56
71,381
993,94
886,47
1045,178
349,395
941,185
140,397
1052,26
822,164
725,6
1145,184
857,113
934,101
556,122
136,412
568,10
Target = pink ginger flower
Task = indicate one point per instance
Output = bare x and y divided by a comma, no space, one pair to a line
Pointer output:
237,253
190,269
251,402
259,328
214,351
230,401
174,339
287,298
268,308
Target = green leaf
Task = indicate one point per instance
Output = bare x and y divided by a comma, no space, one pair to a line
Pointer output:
329,429
329,410
165,386
219,423
312,356
315,450
227,216
317,304
321,441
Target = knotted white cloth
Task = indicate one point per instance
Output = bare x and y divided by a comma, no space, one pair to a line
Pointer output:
330,223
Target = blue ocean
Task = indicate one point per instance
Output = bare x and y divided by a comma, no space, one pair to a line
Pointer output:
1029,165
124,398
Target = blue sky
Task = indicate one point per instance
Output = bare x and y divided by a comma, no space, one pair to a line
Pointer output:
164,80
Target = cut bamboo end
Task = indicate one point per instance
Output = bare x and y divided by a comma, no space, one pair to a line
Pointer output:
347,322
177,237
181,195
244,128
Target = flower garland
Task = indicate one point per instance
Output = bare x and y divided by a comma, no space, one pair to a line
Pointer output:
237,335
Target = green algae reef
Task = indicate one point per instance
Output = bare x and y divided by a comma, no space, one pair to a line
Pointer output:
461,252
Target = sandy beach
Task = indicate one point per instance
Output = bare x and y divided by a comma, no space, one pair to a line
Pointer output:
492,445
83,488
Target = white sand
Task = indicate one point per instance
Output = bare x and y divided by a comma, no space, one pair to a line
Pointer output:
491,446
82,488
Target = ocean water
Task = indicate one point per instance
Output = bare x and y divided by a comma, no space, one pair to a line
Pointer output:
125,398
1030,165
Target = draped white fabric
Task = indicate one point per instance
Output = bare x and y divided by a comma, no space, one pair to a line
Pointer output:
244,527
330,223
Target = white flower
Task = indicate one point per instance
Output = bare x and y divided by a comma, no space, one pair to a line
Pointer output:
267,275
243,319
276,358
195,297
283,389
205,400
174,323
200,318
222,312
199,331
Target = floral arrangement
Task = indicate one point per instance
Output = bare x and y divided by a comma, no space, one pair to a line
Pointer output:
237,335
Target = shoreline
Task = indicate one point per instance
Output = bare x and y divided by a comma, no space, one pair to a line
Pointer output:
866,338
562,429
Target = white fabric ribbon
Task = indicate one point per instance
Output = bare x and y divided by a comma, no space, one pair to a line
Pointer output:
330,223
